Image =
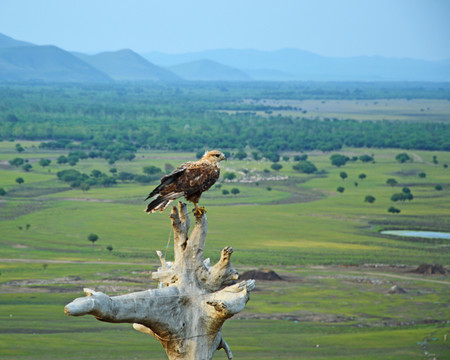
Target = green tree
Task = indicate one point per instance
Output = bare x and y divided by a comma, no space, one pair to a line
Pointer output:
20,180
393,210
2,192
272,156
235,191
151,170
276,166
27,167
305,167
229,175
343,175
44,162
438,187
302,157
422,175
403,157
339,160
362,176
62,159
240,155
256,156
16,162
225,192
369,199
19,148
366,158
406,190
109,248
391,181
85,187
92,238
340,189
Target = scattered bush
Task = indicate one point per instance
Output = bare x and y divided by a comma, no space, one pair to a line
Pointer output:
391,182
403,157
369,199
339,160
305,167
276,166
393,210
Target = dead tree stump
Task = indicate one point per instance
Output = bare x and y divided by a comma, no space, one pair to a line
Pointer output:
187,314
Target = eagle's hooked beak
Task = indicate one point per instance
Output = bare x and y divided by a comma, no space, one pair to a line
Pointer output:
222,157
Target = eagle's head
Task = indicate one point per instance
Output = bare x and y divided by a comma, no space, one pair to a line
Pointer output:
214,156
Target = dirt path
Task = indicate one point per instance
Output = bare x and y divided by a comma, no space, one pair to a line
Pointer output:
369,273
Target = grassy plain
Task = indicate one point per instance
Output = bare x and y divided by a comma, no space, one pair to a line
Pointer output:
424,110
337,267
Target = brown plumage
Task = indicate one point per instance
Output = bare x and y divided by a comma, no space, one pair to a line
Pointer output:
190,180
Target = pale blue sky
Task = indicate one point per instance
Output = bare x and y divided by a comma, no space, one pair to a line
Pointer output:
391,28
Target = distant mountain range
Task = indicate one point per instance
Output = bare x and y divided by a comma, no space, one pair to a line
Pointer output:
22,61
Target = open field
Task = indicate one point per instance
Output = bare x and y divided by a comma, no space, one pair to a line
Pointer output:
337,267
424,110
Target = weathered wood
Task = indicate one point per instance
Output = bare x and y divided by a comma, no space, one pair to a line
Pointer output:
187,314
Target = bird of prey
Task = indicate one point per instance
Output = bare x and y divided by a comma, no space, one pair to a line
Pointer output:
190,180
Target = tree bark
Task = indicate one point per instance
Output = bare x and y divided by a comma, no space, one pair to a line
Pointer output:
187,314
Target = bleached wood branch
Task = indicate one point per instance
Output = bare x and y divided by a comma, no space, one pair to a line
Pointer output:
185,316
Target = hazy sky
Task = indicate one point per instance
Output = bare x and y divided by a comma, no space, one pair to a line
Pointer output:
392,28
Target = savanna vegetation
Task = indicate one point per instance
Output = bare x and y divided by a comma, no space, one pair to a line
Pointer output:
75,219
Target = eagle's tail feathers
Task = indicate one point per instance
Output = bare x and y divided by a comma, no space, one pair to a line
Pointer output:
161,202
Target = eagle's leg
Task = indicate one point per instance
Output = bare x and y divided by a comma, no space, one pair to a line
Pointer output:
199,210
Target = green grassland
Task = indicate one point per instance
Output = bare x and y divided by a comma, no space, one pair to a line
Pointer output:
337,267
424,110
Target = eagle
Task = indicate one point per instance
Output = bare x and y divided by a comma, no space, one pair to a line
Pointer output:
190,180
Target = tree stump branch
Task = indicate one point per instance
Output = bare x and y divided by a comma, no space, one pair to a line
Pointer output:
187,314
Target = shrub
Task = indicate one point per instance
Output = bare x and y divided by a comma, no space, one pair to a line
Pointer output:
370,199
150,170
340,189
305,167
366,158
393,210
403,157
92,238
229,175
339,160
302,157
276,166
438,187
391,182
44,162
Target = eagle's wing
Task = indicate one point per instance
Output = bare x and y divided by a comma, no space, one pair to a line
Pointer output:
199,177
190,179
168,179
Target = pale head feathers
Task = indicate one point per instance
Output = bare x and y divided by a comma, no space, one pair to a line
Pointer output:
214,156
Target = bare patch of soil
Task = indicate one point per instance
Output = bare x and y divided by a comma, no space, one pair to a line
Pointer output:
264,274
430,269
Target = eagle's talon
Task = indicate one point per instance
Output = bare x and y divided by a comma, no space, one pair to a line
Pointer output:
199,211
